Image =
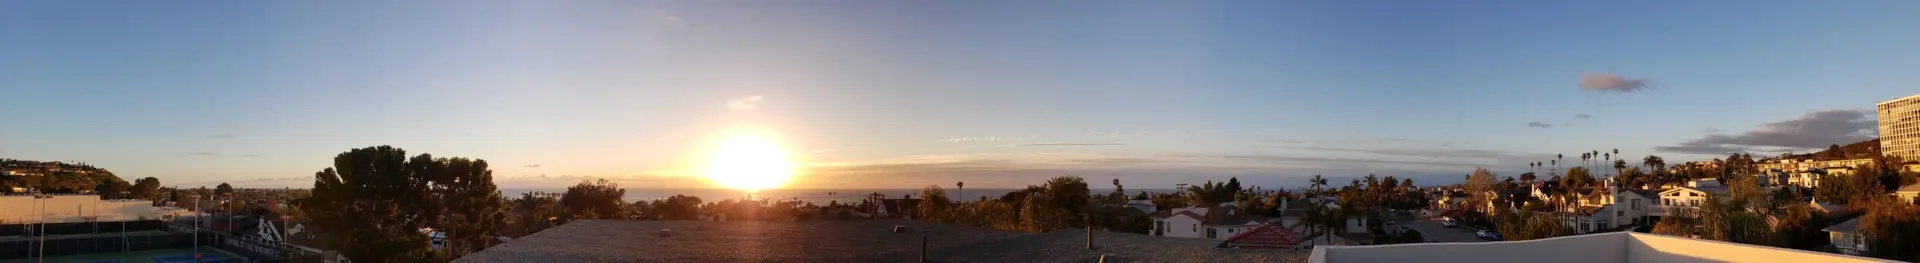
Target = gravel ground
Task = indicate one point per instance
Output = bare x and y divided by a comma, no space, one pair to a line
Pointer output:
849,241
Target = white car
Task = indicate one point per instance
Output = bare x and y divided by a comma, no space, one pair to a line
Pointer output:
1448,222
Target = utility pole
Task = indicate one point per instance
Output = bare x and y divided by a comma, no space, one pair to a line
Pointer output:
1089,221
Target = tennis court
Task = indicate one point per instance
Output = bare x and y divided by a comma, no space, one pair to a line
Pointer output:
208,254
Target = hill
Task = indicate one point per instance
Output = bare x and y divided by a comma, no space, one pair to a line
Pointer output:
52,177
1857,150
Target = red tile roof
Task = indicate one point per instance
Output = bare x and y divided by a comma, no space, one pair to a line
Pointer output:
1264,236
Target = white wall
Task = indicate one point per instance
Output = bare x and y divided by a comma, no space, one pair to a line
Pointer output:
1846,242
73,208
1226,231
1182,226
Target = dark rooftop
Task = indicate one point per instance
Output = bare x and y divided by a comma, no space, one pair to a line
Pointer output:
849,241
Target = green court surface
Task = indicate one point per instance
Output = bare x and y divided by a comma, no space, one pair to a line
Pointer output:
145,256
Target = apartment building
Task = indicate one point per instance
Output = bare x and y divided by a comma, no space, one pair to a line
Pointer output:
1900,127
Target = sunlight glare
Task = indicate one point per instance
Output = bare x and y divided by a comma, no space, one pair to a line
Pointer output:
750,161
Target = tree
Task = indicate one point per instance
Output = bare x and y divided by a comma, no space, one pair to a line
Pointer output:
1801,226
374,201
1477,185
1892,227
678,207
1316,185
111,189
601,198
1207,194
223,190
469,203
1067,192
934,204
1528,177
146,188
960,189
1657,164
1721,221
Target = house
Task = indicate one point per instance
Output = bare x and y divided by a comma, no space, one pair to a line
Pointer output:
1452,201
1691,195
1847,238
1143,204
1217,222
1909,192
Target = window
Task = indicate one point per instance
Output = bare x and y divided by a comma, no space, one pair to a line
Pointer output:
1636,204
1210,232
1619,213
1694,202
1196,227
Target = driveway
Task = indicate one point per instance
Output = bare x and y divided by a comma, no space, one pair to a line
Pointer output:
1434,232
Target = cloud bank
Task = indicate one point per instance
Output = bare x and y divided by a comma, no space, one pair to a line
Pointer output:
1815,130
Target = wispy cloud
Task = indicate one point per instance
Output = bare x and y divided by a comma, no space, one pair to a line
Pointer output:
532,166
1071,144
222,136
1539,125
1712,130
201,153
969,139
1429,153
745,103
1611,83
1814,130
668,18
828,150
1582,116
250,155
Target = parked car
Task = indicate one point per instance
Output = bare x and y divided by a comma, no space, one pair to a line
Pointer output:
1448,222
1488,235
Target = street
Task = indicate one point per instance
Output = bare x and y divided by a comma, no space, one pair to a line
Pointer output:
1432,231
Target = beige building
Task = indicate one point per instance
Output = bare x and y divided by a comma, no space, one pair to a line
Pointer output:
78,208
1604,247
1900,127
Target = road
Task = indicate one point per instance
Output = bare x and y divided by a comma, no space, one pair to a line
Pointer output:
1434,232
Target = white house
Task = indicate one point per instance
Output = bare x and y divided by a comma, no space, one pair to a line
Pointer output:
1909,192
1201,222
1690,196
1614,207
1847,238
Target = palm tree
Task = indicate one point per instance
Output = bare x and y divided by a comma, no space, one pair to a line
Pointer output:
1318,183
1556,166
960,191
1658,165
1619,167
1607,156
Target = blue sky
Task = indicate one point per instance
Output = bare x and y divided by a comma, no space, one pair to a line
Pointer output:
909,94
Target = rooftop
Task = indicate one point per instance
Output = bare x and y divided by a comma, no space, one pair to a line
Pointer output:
849,241
1848,226
1606,247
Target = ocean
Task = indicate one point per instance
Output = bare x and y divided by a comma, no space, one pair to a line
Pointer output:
817,196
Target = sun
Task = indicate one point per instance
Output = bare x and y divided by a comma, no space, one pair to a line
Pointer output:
750,161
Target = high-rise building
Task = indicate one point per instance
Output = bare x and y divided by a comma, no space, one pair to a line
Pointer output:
1900,127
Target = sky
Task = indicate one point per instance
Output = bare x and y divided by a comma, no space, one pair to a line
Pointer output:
871,94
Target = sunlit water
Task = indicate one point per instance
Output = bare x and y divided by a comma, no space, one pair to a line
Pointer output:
818,196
